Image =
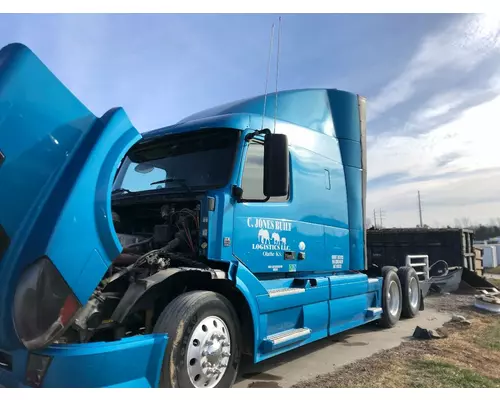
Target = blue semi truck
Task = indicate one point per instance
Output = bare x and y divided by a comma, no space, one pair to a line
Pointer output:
160,259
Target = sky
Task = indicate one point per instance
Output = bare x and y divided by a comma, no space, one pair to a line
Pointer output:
432,83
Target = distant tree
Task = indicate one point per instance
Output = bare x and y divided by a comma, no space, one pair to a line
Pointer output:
485,232
466,222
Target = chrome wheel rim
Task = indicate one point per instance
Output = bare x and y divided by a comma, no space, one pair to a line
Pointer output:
414,295
393,299
208,352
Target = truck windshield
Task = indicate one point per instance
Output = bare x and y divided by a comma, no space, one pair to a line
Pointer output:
180,162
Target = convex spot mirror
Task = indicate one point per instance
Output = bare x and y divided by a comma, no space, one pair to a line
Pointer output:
144,168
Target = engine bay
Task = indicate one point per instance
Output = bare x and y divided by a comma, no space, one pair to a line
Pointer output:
155,238
143,228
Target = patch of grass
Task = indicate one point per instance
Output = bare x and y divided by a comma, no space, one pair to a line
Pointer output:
467,358
496,282
490,339
439,374
495,270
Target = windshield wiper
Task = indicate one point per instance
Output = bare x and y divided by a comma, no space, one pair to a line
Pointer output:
168,180
120,190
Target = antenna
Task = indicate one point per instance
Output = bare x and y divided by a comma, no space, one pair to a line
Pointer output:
271,40
277,74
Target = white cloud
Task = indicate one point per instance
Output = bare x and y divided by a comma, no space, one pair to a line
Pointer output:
475,196
456,164
471,144
472,134
459,47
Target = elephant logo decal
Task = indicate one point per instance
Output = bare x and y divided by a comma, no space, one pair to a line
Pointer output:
276,238
270,238
264,236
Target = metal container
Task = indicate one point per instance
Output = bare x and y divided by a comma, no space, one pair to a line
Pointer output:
391,246
490,259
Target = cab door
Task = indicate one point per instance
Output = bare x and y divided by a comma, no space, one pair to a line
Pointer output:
274,236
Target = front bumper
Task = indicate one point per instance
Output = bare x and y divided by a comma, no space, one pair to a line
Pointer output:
129,363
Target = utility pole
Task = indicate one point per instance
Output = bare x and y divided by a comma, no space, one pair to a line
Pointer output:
381,217
420,210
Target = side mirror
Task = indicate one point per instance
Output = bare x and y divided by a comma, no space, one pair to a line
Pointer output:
276,168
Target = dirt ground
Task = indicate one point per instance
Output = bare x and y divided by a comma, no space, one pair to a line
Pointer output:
467,356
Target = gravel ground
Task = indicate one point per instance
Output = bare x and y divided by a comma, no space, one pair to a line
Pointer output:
388,368
451,303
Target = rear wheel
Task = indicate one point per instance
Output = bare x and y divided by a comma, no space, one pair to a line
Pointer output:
203,349
391,299
411,291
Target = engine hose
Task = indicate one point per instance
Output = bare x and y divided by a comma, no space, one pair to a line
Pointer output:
186,260
129,248
126,259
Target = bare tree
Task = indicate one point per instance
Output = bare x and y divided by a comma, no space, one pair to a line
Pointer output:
466,222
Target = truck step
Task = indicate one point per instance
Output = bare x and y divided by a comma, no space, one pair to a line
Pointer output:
285,291
285,338
373,312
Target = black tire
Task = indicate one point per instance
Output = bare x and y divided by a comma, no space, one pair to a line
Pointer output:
388,319
407,275
179,319
387,268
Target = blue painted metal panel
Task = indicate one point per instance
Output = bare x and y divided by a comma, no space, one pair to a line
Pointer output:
348,312
316,318
130,362
374,284
56,179
307,108
311,295
348,285
298,223
282,320
347,122
250,287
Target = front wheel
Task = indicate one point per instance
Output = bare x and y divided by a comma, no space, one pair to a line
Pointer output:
203,349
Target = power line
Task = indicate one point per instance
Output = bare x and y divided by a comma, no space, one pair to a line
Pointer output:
381,217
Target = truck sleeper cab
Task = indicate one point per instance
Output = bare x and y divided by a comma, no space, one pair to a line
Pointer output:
160,259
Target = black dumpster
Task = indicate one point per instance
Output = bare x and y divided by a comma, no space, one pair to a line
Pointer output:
391,246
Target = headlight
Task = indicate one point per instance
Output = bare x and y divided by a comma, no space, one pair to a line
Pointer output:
44,305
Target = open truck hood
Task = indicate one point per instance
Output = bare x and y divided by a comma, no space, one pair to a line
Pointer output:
57,164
